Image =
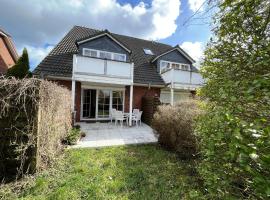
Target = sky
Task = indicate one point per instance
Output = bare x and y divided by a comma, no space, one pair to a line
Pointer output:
39,25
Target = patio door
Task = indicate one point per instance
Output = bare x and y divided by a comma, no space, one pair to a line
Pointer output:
89,104
97,103
104,102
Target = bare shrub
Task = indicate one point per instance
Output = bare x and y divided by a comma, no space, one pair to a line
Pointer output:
34,116
175,126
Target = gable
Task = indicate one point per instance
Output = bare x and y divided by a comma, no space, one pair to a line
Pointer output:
103,43
174,56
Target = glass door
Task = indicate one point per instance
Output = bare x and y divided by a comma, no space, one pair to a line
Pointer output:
104,97
89,104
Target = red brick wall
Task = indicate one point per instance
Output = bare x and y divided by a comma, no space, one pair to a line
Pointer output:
7,60
138,93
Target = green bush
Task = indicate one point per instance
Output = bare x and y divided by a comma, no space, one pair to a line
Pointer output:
175,126
234,132
73,136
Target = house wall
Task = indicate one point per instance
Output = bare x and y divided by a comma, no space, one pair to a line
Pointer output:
138,93
105,44
6,58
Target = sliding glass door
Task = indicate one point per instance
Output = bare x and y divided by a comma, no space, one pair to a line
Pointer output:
104,97
97,103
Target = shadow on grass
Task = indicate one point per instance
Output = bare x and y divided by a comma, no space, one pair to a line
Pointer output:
129,172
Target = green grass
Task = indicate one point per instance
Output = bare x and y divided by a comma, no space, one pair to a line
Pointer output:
131,172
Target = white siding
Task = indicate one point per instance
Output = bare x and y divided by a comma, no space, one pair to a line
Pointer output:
118,69
196,78
97,70
165,96
89,65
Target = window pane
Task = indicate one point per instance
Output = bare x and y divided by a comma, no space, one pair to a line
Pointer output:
93,53
119,57
86,52
106,55
118,100
148,51
165,66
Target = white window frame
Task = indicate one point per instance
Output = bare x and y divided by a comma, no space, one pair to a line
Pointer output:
112,54
86,49
120,54
97,88
170,63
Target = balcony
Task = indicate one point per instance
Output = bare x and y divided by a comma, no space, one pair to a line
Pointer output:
181,79
102,71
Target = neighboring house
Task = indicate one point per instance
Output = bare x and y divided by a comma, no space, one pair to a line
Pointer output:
106,70
8,53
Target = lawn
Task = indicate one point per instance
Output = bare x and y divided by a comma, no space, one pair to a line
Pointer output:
130,172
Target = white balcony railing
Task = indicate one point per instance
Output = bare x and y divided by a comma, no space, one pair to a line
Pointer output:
182,79
102,71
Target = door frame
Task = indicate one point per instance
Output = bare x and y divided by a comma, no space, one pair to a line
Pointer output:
97,88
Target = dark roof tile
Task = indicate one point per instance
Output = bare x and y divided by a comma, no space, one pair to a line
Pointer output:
59,60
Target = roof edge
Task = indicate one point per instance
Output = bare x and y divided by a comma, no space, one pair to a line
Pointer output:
178,48
101,34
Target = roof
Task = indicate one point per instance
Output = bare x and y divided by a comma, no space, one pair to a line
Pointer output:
59,61
10,45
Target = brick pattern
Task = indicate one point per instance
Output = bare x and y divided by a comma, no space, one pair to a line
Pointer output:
138,93
5,53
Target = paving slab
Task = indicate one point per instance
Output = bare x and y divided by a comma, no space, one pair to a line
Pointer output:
108,134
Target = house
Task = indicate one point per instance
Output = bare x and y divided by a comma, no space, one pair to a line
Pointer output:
8,53
104,70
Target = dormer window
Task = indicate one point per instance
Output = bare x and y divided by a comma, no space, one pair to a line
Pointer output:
90,52
148,51
166,65
104,54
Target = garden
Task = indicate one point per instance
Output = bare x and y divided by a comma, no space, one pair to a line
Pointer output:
214,147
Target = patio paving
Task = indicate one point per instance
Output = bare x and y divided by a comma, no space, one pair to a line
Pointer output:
107,134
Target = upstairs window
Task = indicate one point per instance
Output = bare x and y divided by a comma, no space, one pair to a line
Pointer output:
148,51
166,65
185,67
119,57
90,52
104,54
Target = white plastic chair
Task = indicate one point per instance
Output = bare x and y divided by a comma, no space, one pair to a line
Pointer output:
113,114
119,116
135,111
137,118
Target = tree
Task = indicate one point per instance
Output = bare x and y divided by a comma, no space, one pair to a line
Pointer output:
21,68
235,129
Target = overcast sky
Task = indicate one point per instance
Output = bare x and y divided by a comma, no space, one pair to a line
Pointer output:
39,25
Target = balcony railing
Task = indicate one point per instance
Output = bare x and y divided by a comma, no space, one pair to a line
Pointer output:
181,78
100,70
